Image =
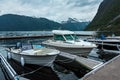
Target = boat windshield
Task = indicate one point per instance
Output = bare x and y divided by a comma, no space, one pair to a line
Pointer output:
75,36
69,37
59,37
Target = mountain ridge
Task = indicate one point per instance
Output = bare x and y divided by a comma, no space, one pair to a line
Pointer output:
13,22
107,17
73,22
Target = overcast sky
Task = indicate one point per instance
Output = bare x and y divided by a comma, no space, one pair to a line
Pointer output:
57,10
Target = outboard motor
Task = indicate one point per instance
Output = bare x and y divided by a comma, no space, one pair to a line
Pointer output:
18,45
102,36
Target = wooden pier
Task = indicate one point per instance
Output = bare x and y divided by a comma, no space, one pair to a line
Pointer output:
24,37
79,33
108,71
88,63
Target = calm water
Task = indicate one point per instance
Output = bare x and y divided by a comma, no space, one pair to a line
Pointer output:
59,71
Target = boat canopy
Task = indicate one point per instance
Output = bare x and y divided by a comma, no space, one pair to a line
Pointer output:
62,32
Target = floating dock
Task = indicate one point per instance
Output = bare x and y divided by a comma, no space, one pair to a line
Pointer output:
88,63
47,34
108,71
24,37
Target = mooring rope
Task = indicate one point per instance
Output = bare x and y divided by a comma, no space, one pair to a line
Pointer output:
66,60
35,70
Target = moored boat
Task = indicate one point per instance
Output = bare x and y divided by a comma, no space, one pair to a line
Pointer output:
67,41
39,56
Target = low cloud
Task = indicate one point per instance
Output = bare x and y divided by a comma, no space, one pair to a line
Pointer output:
57,10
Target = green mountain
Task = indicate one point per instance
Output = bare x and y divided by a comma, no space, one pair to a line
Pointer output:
107,17
12,22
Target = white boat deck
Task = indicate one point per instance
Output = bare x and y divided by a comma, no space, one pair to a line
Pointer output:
89,63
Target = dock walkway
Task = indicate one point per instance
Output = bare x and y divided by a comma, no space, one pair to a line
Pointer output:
24,37
108,71
88,63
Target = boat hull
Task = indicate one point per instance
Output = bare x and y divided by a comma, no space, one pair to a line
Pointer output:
46,60
84,51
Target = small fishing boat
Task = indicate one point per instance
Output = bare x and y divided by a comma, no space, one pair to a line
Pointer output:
67,41
31,55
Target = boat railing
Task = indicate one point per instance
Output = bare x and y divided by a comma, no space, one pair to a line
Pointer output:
109,44
10,71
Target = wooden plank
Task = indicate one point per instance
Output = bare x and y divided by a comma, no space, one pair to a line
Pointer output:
108,71
89,63
23,37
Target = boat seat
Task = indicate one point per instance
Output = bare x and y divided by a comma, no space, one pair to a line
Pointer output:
26,46
36,47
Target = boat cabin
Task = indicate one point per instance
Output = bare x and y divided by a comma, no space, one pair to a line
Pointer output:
64,35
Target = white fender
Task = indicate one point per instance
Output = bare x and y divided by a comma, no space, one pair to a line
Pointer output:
22,61
9,55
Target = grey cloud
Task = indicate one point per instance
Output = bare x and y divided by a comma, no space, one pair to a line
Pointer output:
82,3
52,9
36,2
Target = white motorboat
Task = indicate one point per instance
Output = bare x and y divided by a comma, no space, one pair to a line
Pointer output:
39,56
67,41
